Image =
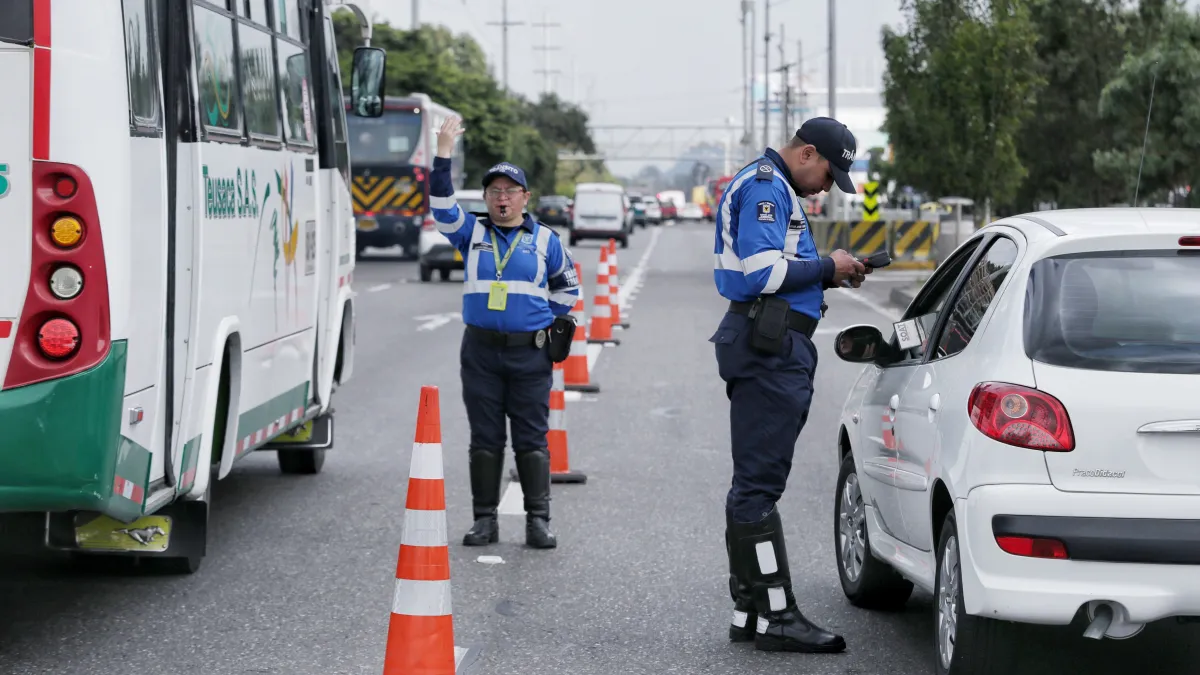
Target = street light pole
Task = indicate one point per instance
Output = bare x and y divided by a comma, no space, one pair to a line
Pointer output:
767,73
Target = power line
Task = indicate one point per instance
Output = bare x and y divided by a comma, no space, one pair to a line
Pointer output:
546,48
504,23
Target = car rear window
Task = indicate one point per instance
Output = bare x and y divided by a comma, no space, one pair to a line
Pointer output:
604,204
1135,311
16,21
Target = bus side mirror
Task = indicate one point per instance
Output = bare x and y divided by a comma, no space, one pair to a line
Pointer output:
367,81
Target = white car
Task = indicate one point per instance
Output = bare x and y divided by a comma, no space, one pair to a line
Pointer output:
653,211
435,250
1027,443
691,211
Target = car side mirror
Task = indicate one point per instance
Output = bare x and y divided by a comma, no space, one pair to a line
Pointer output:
367,81
861,343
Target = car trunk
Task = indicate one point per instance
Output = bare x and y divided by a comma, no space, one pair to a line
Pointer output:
599,211
16,194
1116,338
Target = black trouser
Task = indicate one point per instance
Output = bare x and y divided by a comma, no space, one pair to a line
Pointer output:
507,383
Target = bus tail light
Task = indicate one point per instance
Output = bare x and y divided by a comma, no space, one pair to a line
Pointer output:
64,327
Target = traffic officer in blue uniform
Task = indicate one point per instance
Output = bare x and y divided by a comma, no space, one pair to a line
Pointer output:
767,266
519,282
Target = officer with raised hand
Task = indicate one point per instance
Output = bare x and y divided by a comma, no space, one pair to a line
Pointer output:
767,266
518,293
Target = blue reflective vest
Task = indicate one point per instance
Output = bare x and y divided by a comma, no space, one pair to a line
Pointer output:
764,244
540,274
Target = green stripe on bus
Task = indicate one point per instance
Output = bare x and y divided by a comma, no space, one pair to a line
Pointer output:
262,416
133,465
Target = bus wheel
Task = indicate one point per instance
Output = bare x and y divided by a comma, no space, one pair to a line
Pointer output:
301,461
444,273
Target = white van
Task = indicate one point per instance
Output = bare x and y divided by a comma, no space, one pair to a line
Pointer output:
602,211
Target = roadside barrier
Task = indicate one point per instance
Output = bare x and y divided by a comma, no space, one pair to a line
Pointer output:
601,331
911,244
575,368
420,638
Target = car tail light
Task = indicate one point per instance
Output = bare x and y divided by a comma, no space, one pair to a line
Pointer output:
1033,547
65,326
430,225
1020,416
1189,241
58,338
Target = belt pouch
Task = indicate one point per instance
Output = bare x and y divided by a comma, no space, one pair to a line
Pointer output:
562,332
769,324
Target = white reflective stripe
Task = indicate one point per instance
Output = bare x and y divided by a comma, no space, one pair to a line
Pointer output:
426,461
447,228
726,226
604,311
543,248
514,288
127,489
778,272
565,298
421,598
424,528
765,551
471,267
760,261
728,260
557,423
777,599
763,624
558,379
739,618
578,347
443,203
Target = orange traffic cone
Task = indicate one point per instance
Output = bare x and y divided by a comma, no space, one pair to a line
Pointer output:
575,368
420,639
556,438
601,331
614,286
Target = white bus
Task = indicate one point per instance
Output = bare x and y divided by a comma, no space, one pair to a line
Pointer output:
176,252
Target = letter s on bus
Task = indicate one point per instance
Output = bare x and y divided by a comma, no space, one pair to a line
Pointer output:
4,184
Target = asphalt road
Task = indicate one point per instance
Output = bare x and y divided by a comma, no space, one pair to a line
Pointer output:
300,570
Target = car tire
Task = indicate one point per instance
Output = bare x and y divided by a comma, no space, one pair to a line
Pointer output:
978,645
301,462
625,241
444,274
867,581
573,241
426,273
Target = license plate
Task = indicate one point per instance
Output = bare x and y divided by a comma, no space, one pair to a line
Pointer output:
367,224
552,212
302,434
148,533
457,256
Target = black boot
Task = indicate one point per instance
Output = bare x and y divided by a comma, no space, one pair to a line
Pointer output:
533,467
780,625
486,472
741,627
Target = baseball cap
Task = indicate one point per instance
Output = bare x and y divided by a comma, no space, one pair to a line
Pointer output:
835,143
507,170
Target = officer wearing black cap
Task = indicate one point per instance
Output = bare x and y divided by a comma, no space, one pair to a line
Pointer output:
767,266
519,289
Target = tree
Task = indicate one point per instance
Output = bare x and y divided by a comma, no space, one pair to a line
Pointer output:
1170,64
1080,46
958,87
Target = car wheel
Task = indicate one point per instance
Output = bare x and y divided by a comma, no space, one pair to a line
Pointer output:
964,644
625,242
444,273
867,581
573,241
426,273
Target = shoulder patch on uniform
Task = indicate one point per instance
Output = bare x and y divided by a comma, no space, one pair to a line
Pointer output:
765,171
766,212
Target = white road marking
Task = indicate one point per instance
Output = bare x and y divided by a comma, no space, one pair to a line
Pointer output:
459,653
380,287
513,502
435,321
490,560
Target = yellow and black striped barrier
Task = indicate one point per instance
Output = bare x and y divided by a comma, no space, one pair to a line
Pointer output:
386,193
870,202
911,244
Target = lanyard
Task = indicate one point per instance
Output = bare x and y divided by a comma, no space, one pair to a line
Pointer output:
500,264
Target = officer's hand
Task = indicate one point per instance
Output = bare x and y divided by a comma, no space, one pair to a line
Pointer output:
847,268
449,132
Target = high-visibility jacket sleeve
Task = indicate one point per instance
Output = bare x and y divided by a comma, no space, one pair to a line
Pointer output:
563,283
451,219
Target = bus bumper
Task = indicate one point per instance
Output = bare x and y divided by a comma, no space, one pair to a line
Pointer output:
61,447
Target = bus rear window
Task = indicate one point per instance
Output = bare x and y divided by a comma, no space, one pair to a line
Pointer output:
1130,311
16,21
391,139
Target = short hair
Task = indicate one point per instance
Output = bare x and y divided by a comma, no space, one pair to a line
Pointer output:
797,142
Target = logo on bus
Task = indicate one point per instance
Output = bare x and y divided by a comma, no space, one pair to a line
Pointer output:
231,197
4,184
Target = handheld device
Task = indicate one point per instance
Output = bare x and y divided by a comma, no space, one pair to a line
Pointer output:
877,260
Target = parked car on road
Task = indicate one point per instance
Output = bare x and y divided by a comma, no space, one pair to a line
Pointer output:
691,211
436,252
554,210
1024,445
602,211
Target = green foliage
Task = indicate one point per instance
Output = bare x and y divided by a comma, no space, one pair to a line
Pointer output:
453,71
958,88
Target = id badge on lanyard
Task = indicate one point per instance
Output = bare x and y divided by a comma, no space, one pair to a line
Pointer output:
498,294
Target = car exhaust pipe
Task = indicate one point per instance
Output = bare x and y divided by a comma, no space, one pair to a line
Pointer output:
1110,620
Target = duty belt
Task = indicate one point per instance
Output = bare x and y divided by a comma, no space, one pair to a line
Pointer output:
802,323
497,338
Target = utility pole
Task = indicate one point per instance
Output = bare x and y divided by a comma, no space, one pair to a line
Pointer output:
767,73
746,95
835,198
504,23
785,116
753,78
416,21
545,48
